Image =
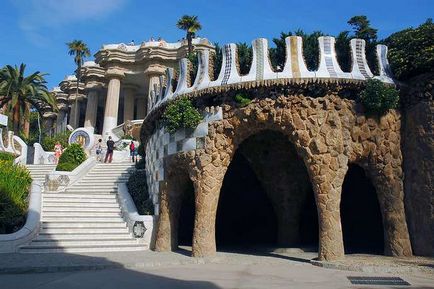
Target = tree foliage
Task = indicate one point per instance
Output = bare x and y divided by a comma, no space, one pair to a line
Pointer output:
191,25
138,189
411,51
245,57
21,93
181,114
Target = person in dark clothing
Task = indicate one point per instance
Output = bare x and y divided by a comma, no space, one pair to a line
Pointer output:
110,148
132,151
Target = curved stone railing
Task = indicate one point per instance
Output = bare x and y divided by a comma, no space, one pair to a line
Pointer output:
41,156
141,226
260,70
20,152
10,243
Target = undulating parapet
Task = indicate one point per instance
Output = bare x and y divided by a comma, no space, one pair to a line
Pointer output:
295,66
328,62
260,68
383,64
360,68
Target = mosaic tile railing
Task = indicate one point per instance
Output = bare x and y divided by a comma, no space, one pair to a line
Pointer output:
295,67
162,144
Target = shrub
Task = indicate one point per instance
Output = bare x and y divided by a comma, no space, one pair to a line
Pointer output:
141,150
49,142
71,158
242,99
138,189
141,164
181,114
7,157
378,98
15,182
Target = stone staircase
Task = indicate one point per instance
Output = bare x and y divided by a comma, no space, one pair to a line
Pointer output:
86,217
38,172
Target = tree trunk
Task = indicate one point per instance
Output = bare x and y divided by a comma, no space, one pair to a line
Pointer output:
16,119
190,42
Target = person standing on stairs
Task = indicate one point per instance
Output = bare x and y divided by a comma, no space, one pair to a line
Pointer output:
132,151
98,150
110,148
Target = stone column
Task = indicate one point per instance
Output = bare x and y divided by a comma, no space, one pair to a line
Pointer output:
112,101
129,100
154,82
73,114
141,107
60,121
91,110
327,186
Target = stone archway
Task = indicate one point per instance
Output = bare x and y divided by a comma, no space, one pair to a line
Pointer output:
361,217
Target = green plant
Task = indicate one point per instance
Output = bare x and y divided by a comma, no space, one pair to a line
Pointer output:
128,136
141,150
14,188
7,157
242,99
71,158
181,114
141,164
137,187
191,25
377,98
411,51
49,142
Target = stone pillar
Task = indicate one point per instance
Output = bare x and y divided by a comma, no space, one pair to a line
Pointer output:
327,186
60,121
129,100
154,82
91,110
141,107
112,101
73,114
207,187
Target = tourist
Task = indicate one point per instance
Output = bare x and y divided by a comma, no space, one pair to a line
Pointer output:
110,148
58,149
132,151
98,150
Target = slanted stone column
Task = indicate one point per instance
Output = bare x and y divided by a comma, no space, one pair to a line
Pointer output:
129,100
154,82
91,110
60,121
141,107
73,114
112,101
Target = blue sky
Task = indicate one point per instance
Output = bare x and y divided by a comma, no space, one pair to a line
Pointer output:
35,31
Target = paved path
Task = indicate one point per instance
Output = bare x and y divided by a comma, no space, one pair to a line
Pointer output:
176,270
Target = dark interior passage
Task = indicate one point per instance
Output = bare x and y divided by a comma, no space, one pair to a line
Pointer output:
245,215
360,214
309,222
186,216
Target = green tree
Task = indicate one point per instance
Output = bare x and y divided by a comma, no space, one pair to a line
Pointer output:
79,50
22,93
245,57
411,51
343,50
217,59
278,53
191,25
310,48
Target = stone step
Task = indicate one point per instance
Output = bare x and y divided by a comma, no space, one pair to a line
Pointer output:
91,190
94,186
76,200
91,224
58,217
82,243
57,196
87,236
80,205
80,214
83,249
82,209
55,231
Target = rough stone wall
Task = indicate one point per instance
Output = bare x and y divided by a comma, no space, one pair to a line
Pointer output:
418,152
328,133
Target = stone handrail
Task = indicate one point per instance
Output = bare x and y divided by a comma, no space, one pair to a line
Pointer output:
261,72
41,156
10,148
60,180
10,243
141,226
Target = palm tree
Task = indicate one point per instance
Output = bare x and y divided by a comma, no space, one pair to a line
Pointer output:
191,25
21,93
80,50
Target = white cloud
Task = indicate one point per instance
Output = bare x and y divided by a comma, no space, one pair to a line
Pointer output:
38,15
